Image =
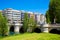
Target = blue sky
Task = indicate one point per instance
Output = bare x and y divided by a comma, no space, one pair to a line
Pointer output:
28,5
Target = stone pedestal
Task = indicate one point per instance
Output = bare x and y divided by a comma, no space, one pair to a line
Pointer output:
16,29
45,28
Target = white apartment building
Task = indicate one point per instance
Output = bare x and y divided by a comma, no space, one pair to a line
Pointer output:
40,18
13,16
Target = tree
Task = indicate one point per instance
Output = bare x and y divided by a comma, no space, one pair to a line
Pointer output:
3,25
25,22
28,23
47,17
31,24
54,11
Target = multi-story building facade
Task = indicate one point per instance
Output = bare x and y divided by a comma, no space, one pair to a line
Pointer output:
16,17
42,19
13,16
31,15
38,18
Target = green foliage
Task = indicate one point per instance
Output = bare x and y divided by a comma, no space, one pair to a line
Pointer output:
54,11
25,22
47,17
28,23
31,24
3,25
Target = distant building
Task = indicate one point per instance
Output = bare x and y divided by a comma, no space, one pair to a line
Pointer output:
16,16
31,15
42,19
38,19
13,16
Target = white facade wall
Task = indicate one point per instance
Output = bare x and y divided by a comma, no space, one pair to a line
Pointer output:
42,19
38,19
12,15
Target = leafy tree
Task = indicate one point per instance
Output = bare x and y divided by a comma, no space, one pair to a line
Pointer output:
28,23
47,17
3,25
25,22
54,11
31,24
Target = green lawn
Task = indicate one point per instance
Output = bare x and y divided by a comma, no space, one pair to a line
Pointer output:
33,36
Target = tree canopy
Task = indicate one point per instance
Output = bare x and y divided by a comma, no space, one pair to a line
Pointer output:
54,11
28,23
3,25
25,22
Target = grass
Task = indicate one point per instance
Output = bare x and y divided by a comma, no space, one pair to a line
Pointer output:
33,36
